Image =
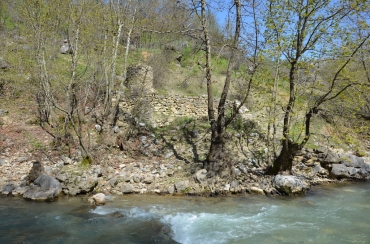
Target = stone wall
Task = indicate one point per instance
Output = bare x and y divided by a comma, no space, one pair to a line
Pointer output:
165,109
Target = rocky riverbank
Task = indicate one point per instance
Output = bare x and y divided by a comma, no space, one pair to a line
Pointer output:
22,176
168,162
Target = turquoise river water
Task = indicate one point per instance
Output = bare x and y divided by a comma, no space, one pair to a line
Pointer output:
335,214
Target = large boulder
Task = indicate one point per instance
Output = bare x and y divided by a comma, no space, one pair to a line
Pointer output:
289,184
350,166
45,188
78,183
46,182
350,160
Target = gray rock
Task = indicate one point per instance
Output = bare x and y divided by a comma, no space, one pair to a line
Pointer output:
148,179
113,182
127,188
46,188
76,184
289,184
331,158
3,112
46,182
350,160
124,178
174,138
143,139
321,150
137,178
227,187
2,161
171,189
234,184
339,171
22,159
168,155
243,169
181,185
36,193
20,190
200,176
8,188
66,48
237,172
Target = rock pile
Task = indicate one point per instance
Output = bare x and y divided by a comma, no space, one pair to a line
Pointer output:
323,163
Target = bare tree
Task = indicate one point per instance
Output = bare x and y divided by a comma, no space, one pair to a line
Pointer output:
219,122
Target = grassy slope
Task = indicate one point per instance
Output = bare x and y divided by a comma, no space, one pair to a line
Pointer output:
184,78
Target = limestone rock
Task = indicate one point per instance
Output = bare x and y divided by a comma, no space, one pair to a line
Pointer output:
8,188
171,189
227,187
74,184
200,176
45,188
20,190
182,185
66,48
36,193
257,190
127,188
97,199
289,185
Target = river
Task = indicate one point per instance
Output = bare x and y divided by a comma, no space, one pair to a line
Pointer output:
332,214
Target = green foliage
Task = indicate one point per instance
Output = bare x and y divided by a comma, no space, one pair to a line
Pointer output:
86,162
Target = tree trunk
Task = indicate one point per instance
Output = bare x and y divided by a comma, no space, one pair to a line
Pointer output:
284,162
216,158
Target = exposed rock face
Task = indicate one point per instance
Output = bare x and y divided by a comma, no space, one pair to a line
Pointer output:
322,163
289,185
